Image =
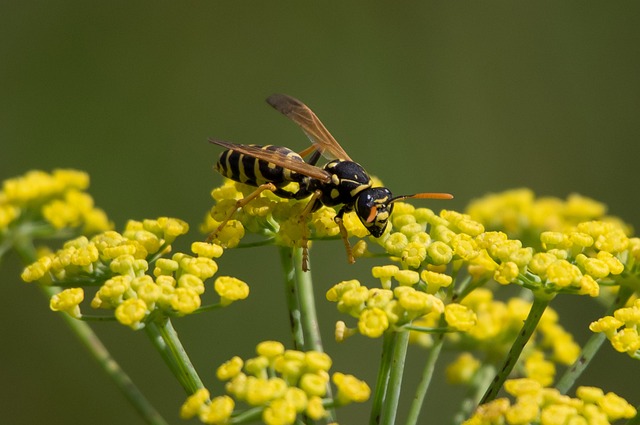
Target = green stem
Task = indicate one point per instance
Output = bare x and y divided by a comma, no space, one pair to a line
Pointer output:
423,386
382,383
592,346
84,333
165,339
291,295
398,357
302,307
540,303
309,317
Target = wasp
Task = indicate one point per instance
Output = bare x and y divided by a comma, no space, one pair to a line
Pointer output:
341,181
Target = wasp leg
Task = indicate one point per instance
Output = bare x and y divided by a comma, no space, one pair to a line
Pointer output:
239,204
308,209
345,236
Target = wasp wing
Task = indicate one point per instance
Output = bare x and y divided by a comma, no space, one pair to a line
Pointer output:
300,113
277,158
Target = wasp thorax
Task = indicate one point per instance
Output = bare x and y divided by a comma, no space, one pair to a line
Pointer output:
348,179
373,209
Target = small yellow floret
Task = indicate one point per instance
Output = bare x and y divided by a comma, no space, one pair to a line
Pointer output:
270,349
131,313
384,273
373,322
315,410
313,384
194,403
507,272
230,369
462,370
440,253
407,277
279,412
185,300
350,389
204,249
460,317
231,289
68,301
218,411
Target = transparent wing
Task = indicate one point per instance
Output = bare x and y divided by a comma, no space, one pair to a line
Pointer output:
300,113
278,159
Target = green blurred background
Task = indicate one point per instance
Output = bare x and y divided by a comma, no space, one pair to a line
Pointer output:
463,97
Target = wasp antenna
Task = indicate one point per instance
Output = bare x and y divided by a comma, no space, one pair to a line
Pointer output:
426,195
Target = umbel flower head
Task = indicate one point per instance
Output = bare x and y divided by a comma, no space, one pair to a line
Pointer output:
536,404
135,279
57,200
446,269
283,384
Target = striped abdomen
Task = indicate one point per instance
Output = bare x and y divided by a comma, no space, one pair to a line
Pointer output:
254,171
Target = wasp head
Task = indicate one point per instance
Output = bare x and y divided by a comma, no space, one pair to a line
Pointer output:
374,207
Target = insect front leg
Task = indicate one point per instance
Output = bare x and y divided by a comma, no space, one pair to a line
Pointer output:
239,204
343,232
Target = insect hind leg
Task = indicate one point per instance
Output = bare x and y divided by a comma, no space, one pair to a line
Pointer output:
311,206
241,203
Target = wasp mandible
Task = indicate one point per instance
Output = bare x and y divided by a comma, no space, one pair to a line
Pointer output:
341,181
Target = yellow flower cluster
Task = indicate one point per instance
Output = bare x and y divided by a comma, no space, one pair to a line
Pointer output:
495,327
284,383
272,216
520,214
121,261
378,309
535,403
57,198
622,329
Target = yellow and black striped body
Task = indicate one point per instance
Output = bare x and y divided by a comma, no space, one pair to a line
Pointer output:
255,171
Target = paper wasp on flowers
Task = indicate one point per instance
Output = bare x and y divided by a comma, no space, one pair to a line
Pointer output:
341,181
